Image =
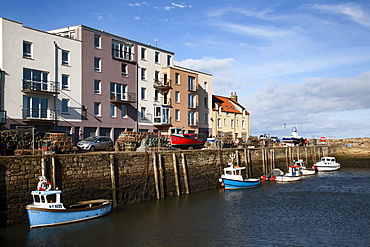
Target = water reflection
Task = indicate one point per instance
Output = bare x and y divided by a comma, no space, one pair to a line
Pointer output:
327,209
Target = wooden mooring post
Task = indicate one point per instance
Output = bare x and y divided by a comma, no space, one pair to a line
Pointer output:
113,179
176,174
156,175
185,173
161,177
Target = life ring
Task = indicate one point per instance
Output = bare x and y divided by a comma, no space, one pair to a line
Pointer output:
44,185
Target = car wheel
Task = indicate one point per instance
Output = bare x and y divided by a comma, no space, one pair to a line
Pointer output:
92,148
110,148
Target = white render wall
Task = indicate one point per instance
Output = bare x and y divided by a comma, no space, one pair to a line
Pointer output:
43,59
151,67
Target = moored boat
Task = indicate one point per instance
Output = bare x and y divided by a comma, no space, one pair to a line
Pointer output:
327,164
47,209
303,169
234,177
293,174
272,175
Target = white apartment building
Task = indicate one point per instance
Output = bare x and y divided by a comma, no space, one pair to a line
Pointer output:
153,87
41,84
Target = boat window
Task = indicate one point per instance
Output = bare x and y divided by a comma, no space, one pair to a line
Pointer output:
228,172
36,198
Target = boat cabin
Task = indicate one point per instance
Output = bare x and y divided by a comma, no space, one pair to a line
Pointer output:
47,199
234,172
328,160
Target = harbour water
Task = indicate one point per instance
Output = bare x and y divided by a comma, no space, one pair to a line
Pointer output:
327,209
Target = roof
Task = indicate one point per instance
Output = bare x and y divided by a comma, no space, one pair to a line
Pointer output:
227,104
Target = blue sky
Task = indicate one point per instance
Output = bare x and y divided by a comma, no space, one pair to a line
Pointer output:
302,63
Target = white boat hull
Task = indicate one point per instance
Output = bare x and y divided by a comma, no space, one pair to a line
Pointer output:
327,164
328,168
285,178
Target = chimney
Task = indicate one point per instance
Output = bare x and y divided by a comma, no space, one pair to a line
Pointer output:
234,96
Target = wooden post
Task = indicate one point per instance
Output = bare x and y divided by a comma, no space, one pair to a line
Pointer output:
250,163
263,160
176,174
113,179
161,175
286,157
185,173
156,175
246,162
43,167
53,171
237,158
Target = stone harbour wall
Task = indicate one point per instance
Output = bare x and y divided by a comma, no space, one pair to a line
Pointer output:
134,177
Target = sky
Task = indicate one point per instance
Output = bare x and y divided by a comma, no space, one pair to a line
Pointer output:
292,63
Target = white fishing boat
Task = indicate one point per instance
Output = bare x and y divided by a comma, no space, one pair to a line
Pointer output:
327,164
292,175
47,210
304,170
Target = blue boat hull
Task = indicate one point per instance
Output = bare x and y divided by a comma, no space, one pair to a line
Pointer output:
231,184
49,217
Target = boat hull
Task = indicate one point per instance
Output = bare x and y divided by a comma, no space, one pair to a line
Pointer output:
323,168
306,172
180,141
285,178
39,217
231,184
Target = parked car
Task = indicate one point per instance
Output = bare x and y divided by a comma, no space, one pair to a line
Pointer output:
93,143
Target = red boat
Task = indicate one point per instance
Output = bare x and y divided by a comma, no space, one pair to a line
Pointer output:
181,140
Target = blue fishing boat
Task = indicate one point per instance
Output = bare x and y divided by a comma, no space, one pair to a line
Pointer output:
234,177
47,210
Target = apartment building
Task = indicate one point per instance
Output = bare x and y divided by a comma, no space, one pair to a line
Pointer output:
229,116
109,81
154,102
40,79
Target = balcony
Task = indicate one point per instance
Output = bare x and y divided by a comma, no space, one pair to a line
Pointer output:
162,121
162,84
192,106
2,117
122,98
163,101
32,114
45,87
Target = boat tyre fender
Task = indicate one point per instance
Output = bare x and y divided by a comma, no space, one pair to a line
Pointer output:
44,186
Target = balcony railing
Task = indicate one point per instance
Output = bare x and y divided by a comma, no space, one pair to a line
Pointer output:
39,114
40,86
122,55
162,101
123,98
160,120
2,117
192,106
162,84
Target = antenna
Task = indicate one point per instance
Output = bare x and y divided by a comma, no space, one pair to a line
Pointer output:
156,40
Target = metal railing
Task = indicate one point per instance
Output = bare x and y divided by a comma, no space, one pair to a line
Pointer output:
162,101
162,84
39,114
124,97
40,86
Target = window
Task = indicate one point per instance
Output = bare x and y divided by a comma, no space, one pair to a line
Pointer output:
206,102
177,115
65,81
27,52
143,73
156,57
112,110
168,60
177,97
124,70
117,91
35,107
225,121
143,53
142,112
243,124
97,43
97,62
219,123
143,93
232,123
36,80
177,79
191,100
205,86
191,83
65,105
123,111
191,118
97,106
219,110
65,57
97,86
156,95
205,118
122,50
